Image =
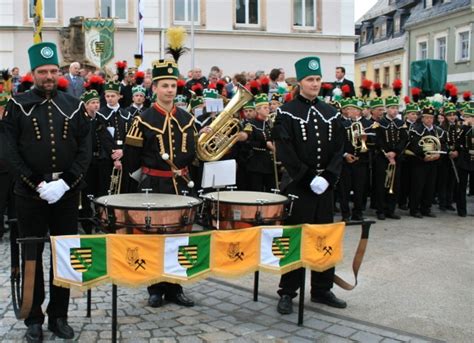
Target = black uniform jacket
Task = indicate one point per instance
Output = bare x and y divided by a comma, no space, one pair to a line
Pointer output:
391,135
260,158
157,132
120,120
309,140
47,136
465,146
417,131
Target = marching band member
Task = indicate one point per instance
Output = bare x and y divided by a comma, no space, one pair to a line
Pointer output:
48,135
117,121
465,160
138,100
161,130
309,143
391,139
423,176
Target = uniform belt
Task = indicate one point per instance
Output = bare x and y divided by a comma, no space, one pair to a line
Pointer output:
164,173
52,176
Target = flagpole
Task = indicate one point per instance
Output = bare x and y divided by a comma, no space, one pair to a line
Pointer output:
192,34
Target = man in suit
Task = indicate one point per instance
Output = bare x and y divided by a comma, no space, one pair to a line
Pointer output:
76,82
341,80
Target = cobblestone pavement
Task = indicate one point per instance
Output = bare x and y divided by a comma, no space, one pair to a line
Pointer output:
224,312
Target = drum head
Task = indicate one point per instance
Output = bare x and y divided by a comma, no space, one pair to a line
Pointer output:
151,200
246,198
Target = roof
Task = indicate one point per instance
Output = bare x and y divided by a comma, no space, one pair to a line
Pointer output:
419,13
381,7
381,47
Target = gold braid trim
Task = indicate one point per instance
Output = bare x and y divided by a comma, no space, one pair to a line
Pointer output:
135,135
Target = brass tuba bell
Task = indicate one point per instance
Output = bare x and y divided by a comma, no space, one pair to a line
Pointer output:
225,129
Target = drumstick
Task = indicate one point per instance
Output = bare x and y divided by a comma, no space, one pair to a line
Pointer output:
175,169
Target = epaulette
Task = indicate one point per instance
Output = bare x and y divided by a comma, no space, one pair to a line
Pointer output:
135,135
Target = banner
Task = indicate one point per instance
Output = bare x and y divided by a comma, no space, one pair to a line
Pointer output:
99,40
141,260
140,29
280,249
37,21
135,259
79,261
322,246
235,252
186,256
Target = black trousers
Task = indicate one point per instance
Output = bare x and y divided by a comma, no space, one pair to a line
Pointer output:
386,202
353,177
461,191
423,176
446,182
405,180
92,180
6,199
314,209
260,182
35,219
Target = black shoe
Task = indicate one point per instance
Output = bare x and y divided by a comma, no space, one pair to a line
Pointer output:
462,214
429,214
392,216
416,215
61,328
380,216
356,217
285,304
450,208
155,300
442,208
403,207
329,299
180,299
34,333
346,219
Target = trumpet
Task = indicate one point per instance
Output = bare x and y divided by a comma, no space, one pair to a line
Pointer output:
390,177
357,131
115,181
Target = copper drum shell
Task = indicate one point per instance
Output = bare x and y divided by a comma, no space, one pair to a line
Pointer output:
242,209
158,213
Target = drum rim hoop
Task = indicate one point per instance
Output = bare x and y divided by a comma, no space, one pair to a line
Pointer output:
196,202
269,203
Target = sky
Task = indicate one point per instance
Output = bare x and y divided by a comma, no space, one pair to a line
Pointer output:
362,6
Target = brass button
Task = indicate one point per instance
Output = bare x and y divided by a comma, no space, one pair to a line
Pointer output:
51,128
53,165
38,137
64,136
172,140
53,158
53,142
51,121
52,135
53,150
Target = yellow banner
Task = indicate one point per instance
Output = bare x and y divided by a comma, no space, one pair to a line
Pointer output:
37,21
322,245
235,252
135,260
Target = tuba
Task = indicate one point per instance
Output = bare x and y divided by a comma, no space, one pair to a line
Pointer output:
357,131
225,129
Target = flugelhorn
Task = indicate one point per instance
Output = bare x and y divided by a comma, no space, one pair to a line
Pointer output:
211,146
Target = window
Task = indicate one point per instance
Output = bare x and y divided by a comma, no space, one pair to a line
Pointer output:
114,9
396,27
182,11
304,13
377,75
463,45
386,76
247,12
383,32
49,9
377,32
422,50
398,72
364,37
441,48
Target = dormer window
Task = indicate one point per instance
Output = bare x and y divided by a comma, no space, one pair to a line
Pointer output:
396,25
364,37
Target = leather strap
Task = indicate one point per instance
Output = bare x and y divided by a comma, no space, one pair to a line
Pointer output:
358,258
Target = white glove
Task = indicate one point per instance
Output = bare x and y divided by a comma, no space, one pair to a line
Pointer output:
319,185
53,191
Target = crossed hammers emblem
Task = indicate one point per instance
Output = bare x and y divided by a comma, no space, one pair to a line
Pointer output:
327,250
140,264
